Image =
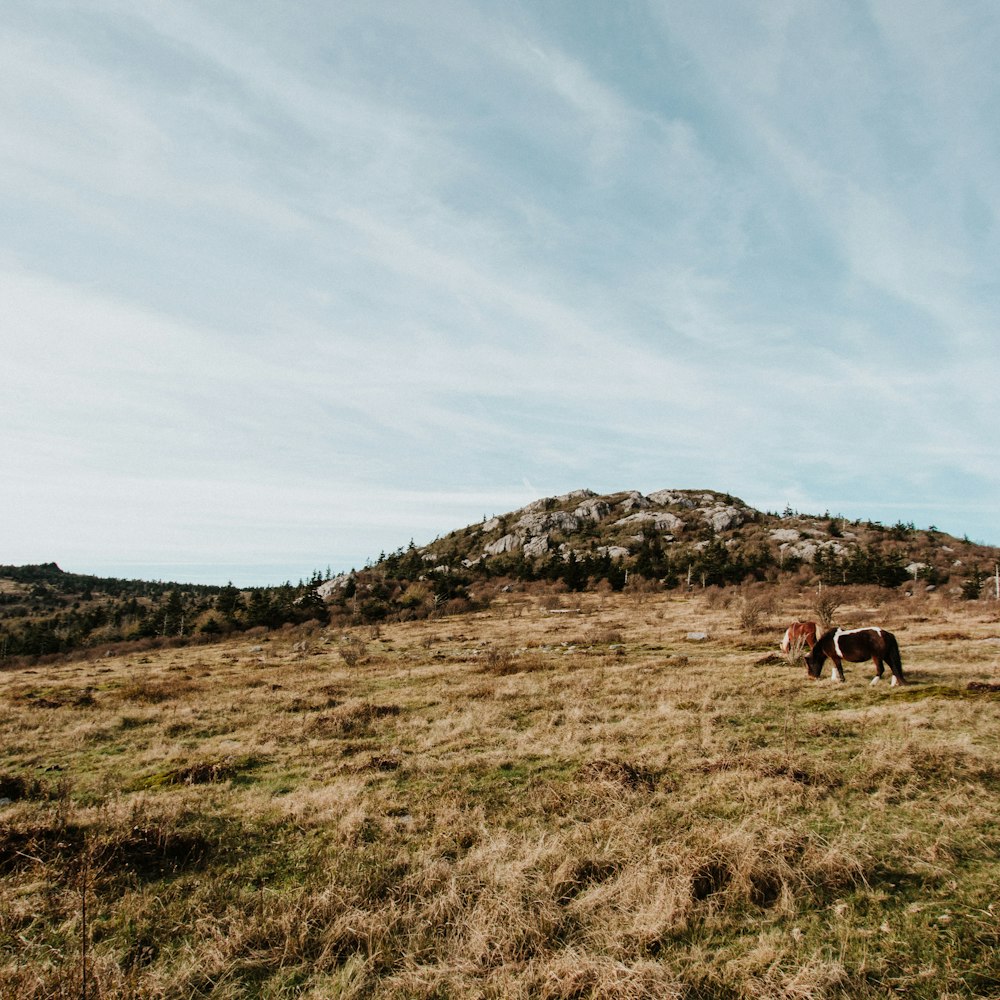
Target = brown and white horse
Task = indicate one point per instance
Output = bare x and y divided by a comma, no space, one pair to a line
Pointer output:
799,631
856,645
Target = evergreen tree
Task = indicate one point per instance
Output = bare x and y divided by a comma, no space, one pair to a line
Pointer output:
229,602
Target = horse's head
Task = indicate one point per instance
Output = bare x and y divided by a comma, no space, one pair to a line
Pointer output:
814,662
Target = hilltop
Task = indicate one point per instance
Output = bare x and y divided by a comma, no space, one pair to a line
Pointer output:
669,538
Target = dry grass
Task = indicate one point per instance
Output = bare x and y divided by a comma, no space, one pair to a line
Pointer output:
520,803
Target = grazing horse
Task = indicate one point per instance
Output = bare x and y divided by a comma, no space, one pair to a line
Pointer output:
856,645
806,631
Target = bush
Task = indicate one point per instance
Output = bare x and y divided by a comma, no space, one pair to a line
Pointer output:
826,607
750,615
352,650
972,587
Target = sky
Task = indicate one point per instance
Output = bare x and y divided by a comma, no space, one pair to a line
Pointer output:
287,285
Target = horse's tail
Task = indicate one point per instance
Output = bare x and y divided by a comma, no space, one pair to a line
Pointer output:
892,656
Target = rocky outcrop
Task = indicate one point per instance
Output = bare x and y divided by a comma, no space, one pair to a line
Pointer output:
785,535
668,531
508,543
635,501
534,524
807,548
672,498
537,547
661,521
722,518
329,588
595,509
529,531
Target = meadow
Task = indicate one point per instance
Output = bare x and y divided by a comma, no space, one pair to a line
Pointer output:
564,796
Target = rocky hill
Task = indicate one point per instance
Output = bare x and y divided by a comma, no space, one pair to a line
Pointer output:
676,537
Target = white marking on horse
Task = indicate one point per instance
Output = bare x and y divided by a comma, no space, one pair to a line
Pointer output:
786,643
895,681
876,679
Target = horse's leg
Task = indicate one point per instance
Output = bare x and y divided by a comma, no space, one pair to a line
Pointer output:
895,662
836,670
877,660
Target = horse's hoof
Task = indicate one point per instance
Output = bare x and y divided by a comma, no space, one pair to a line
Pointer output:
875,680
895,681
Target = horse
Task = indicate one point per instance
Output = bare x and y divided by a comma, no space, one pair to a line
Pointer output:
799,631
856,645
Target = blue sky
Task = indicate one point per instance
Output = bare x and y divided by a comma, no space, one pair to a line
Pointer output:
284,285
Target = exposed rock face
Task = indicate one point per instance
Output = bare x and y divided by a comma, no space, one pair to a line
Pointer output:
508,543
533,524
547,503
722,518
636,501
785,535
575,495
595,509
662,520
536,547
330,587
529,529
807,548
671,498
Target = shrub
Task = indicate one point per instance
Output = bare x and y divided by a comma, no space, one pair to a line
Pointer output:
826,607
750,615
972,587
352,650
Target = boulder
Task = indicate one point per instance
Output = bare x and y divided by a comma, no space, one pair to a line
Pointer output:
536,547
785,535
508,543
661,520
635,501
722,518
538,523
594,509
330,587
671,498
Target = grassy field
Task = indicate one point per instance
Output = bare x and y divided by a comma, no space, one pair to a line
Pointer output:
562,797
